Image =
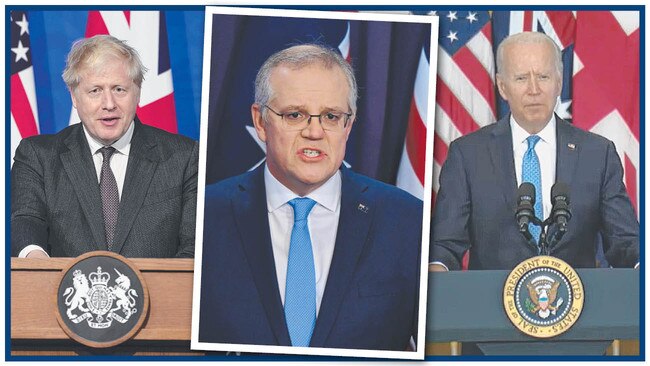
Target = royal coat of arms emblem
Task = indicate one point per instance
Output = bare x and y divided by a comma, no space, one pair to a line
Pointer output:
102,299
98,303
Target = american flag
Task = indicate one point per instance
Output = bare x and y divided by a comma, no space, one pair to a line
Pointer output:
24,114
465,85
146,31
465,99
410,175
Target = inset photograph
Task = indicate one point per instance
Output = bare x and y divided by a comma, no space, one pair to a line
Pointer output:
314,183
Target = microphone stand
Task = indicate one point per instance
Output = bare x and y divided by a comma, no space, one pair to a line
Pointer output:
544,247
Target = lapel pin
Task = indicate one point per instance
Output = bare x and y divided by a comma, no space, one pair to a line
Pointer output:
571,146
363,208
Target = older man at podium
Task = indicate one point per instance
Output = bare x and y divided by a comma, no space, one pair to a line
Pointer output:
109,182
477,200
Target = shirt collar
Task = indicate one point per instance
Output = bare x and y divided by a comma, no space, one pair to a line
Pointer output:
328,195
122,145
519,135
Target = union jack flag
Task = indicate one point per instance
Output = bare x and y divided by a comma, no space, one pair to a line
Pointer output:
145,31
606,84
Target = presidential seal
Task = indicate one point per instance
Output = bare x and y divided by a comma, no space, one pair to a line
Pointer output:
543,296
101,299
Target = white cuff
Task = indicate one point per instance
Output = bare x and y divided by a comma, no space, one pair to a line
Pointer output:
28,249
440,263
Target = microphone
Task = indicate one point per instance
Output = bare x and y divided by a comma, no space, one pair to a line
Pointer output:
560,211
525,208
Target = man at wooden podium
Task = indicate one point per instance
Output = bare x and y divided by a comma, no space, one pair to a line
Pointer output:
109,182
477,200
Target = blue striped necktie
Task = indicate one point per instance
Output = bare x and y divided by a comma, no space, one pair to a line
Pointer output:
300,290
531,172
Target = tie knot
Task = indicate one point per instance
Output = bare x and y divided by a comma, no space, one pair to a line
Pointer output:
301,208
532,141
107,152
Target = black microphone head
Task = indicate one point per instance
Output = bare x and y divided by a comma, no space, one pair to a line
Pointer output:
560,190
526,192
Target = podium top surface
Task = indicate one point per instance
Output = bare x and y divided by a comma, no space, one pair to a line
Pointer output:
143,264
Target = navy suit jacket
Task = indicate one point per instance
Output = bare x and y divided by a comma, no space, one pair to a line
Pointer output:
477,201
370,300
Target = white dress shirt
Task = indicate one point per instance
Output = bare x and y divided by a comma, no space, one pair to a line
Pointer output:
546,153
119,162
322,221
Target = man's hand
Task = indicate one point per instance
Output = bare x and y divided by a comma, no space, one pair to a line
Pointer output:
436,267
37,254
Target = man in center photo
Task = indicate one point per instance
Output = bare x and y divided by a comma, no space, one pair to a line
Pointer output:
302,251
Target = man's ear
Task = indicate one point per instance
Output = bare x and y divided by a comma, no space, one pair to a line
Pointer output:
73,97
258,121
348,128
501,86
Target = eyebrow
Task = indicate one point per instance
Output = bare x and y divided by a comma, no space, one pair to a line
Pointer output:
303,108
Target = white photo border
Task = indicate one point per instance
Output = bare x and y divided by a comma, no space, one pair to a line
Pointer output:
428,174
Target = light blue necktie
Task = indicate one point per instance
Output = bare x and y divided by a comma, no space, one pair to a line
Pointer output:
530,172
300,291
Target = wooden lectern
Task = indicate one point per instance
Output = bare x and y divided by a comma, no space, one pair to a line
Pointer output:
166,331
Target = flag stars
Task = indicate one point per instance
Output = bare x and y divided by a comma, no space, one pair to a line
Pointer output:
471,17
452,16
452,36
20,51
24,25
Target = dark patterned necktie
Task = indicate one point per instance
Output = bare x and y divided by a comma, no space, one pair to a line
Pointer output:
110,195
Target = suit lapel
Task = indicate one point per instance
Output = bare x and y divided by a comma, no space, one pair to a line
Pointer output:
143,160
356,216
503,160
78,165
249,208
568,150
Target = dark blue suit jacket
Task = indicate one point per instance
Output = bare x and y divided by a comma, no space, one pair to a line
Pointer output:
477,200
371,297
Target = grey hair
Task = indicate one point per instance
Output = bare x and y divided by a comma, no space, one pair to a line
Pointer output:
526,38
297,57
92,52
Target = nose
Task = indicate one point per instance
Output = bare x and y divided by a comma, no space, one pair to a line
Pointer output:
108,101
314,130
533,85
